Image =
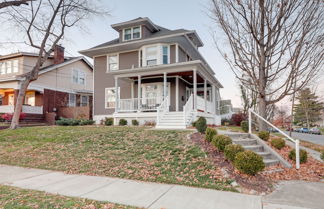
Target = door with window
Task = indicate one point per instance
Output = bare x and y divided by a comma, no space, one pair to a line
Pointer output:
152,94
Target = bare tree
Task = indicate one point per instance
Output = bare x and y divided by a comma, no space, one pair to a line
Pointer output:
4,4
45,23
274,43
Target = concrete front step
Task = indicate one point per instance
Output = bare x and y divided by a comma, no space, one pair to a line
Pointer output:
265,155
254,148
244,142
269,162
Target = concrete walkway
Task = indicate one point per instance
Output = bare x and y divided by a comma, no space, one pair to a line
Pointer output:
134,193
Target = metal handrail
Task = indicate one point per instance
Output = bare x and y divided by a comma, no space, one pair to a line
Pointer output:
296,141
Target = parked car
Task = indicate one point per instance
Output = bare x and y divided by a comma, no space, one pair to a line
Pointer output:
302,130
315,131
272,130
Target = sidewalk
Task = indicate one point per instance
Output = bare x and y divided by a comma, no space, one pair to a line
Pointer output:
134,193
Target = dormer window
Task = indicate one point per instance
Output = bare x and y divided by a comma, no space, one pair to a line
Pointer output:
132,33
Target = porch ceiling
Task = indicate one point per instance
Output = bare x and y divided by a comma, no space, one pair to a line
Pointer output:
188,76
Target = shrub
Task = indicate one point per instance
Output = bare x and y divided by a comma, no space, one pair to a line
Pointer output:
237,118
220,141
201,124
302,155
210,133
135,122
85,122
122,122
264,135
68,122
249,162
9,116
225,122
245,126
232,150
278,143
1,118
109,121
322,155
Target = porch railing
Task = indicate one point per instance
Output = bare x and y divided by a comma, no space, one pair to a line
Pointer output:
7,109
25,109
145,104
187,110
162,109
296,141
201,105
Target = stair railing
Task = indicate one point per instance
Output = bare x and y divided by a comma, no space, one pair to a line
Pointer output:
187,110
162,109
296,141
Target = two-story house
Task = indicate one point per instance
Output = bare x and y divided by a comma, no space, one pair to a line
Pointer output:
150,73
64,85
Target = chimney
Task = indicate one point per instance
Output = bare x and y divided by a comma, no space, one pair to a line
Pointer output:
58,54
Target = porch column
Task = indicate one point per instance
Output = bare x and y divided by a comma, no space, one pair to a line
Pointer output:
164,85
116,95
139,96
195,89
205,94
214,98
177,93
132,90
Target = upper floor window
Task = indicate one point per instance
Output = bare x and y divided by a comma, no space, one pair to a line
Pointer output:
132,33
151,55
165,54
112,62
78,77
154,55
8,67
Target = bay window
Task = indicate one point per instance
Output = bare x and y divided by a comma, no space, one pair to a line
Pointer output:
151,55
154,55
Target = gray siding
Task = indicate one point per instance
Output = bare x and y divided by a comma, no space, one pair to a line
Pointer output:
128,59
172,54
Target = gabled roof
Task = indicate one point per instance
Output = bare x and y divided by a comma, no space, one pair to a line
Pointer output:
66,62
138,21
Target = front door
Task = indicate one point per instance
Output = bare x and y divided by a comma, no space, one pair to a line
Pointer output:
152,93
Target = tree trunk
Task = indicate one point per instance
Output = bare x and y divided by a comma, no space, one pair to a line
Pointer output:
19,103
263,113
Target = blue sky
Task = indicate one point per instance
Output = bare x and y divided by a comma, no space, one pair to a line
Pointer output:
172,14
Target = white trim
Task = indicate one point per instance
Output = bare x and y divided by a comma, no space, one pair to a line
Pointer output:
132,33
74,104
137,41
177,53
177,93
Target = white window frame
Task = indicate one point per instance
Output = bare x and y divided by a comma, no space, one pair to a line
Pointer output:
70,103
81,103
159,54
9,66
15,66
3,68
78,73
108,64
132,32
106,95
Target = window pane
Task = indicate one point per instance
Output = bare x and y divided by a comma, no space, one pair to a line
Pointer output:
151,62
3,68
112,59
165,50
128,34
15,66
81,78
84,101
75,76
9,69
72,100
113,67
136,32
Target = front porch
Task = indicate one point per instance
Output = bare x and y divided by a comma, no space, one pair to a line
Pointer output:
33,102
187,93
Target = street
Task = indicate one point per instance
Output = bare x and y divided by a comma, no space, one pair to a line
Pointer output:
316,139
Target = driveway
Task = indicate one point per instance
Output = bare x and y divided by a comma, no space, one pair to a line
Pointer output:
316,139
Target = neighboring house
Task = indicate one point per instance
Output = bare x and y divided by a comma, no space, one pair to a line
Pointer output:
150,73
64,85
226,109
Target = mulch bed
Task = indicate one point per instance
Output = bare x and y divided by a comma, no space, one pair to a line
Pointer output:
263,182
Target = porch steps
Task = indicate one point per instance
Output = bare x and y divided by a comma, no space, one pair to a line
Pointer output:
172,120
252,144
